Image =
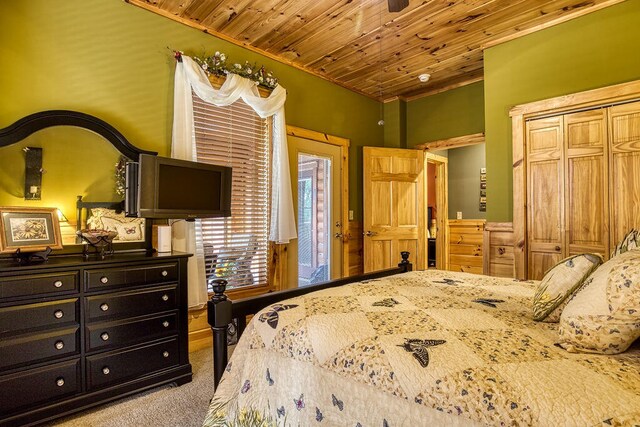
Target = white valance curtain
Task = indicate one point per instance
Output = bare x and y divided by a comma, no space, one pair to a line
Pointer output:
189,76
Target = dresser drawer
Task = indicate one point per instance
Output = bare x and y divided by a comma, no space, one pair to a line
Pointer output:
38,386
38,284
34,347
130,276
126,332
130,304
108,368
31,316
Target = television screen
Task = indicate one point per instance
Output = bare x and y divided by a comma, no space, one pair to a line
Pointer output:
171,188
188,188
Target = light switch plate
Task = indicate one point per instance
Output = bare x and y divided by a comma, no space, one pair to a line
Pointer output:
459,215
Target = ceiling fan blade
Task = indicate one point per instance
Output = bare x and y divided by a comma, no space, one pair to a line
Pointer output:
397,5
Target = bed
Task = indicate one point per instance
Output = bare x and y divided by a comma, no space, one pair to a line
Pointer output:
419,348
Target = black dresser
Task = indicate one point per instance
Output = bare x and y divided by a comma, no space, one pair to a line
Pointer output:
75,333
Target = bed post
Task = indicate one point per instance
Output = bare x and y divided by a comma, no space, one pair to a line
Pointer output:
219,316
405,264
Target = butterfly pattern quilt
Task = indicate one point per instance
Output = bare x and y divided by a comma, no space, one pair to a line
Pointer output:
420,348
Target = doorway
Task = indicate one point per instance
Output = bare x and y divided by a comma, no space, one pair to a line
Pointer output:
317,255
437,211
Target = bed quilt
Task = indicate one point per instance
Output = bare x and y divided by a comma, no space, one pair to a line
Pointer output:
416,349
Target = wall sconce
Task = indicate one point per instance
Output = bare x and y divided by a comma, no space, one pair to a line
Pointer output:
33,173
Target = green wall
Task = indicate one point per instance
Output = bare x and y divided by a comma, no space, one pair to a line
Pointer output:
112,60
464,181
395,124
444,115
596,50
449,114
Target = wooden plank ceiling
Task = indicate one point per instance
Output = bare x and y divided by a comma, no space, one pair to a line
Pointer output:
358,44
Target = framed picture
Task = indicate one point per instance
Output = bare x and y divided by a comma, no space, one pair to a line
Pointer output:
29,229
483,177
483,193
483,185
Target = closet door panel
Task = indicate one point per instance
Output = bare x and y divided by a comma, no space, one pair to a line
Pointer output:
545,213
625,169
587,211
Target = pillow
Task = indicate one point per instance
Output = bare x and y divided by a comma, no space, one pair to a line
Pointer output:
628,242
560,282
604,315
129,231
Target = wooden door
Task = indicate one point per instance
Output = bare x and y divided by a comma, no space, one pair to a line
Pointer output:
316,177
586,183
394,213
545,194
625,169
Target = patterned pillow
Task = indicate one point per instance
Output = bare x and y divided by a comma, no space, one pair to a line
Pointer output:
130,231
604,315
628,242
560,283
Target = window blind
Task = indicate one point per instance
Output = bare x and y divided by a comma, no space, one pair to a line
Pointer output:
236,248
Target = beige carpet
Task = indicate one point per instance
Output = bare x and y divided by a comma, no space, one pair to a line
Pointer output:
183,406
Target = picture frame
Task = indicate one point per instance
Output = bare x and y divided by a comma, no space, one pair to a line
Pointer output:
483,185
29,229
483,177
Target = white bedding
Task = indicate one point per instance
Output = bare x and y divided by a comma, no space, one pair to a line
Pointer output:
418,349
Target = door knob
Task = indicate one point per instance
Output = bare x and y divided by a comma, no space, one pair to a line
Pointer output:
338,235
370,233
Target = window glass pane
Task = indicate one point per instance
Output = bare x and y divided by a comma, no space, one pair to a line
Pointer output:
236,248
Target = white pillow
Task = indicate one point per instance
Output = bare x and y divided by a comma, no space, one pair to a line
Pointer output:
130,231
559,283
604,315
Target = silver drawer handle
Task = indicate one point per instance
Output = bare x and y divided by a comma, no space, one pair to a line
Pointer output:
165,297
59,345
58,314
164,273
104,279
57,283
104,307
104,336
165,323
106,370
60,382
165,354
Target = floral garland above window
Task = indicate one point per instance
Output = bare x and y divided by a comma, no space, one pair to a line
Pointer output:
216,64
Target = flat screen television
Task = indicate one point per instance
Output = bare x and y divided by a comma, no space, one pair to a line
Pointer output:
160,187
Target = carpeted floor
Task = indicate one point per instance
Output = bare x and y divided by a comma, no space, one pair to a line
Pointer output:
183,406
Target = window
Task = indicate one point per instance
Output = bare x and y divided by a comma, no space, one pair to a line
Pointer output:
236,248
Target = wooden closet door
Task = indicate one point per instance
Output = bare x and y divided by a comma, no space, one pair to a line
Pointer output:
625,169
545,195
586,183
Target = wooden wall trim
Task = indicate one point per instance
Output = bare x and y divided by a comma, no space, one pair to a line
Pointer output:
318,136
519,114
590,98
559,20
456,142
